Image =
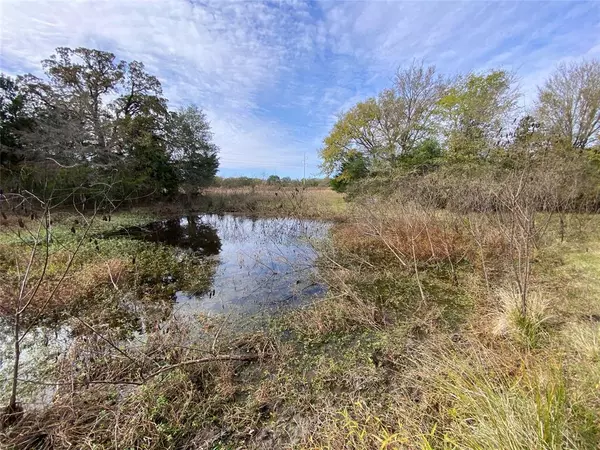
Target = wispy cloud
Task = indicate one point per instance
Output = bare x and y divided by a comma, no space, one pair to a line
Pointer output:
272,75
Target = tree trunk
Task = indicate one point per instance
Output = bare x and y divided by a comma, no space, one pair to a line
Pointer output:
12,405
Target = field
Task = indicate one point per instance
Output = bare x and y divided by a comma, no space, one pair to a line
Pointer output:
419,342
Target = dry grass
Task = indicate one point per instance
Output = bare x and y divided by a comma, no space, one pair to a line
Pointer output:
107,393
311,203
403,237
528,329
58,290
405,233
484,406
264,201
373,365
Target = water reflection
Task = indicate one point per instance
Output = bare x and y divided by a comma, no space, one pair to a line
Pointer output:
187,232
263,264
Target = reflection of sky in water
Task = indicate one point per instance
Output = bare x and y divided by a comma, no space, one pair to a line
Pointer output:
40,349
263,264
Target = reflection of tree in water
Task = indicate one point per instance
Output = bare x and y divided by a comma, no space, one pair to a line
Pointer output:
188,232
130,312
261,261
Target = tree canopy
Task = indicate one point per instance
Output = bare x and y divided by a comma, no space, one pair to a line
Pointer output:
569,104
384,128
425,121
105,119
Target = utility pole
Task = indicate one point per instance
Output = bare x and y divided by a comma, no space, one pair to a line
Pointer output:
304,174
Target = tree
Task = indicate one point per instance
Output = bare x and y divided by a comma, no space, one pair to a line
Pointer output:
273,179
110,120
14,119
475,110
191,147
138,90
568,104
354,132
422,159
85,77
386,127
352,169
418,91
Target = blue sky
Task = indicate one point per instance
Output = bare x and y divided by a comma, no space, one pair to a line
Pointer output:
273,75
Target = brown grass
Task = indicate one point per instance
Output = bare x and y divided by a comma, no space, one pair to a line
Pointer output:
373,365
402,234
430,241
54,292
265,201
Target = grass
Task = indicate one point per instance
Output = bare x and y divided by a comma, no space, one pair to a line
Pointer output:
312,203
98,260
495,410
116,285
397,355
265,201
528,329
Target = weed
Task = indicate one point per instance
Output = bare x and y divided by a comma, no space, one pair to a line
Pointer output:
394,356
528,329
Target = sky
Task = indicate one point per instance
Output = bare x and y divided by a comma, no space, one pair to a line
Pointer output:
273,76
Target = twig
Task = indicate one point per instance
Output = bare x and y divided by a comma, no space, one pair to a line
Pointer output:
248,357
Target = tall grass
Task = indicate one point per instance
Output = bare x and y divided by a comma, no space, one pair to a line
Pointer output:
484,406
402,352
528,329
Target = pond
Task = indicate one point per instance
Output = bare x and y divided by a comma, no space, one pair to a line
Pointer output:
263,264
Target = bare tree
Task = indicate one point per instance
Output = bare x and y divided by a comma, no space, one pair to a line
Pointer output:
418,89
33,291
569,103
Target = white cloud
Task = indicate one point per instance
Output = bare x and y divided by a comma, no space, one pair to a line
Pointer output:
272,75
220,55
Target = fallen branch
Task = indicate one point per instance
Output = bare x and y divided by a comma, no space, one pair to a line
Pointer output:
248,357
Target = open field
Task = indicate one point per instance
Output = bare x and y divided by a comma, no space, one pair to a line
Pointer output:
308,203
290,201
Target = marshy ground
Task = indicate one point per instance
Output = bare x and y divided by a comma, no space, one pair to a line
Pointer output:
416,342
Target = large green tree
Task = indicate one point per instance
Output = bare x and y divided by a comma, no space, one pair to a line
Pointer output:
385,128
108,121
14,120
191,146
86,77
475,111
352,169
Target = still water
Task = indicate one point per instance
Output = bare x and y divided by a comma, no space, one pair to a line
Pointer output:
262,264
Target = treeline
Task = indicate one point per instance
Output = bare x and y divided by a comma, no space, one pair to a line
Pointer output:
272,180
448,139
92,121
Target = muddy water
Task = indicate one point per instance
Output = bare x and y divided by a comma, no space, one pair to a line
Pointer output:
263,264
